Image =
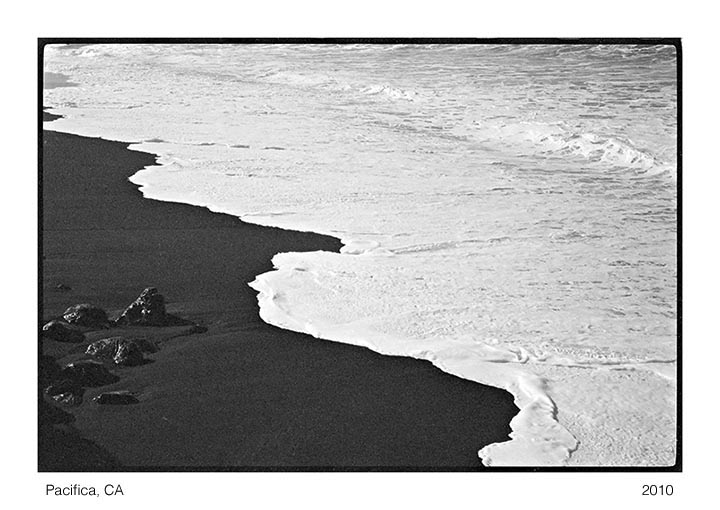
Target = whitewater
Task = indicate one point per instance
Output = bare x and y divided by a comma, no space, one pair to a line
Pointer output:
508,212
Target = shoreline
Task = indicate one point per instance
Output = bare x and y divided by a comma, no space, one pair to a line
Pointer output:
244,395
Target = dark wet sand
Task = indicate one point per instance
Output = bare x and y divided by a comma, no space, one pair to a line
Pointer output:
243,395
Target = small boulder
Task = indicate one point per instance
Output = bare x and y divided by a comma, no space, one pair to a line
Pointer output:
116,398
62,386
121,350
147,310
104,348
66,391
87,316
69,398
61,331
61,287
88,373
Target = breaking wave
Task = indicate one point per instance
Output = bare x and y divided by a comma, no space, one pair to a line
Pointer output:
558,141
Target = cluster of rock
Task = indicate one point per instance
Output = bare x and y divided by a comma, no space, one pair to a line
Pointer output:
67,385
147,310
69,326
69,388
70,382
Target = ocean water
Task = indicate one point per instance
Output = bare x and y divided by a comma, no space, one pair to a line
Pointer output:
508,212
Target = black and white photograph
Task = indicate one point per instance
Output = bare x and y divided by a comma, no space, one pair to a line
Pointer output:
359,255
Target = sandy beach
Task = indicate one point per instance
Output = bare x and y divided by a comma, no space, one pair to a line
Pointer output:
243,395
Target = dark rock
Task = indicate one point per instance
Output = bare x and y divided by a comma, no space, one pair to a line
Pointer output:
147,310
61,287
116,398
121,350
87,316
88,373
62,386
66,391
104,348
128,354
61,331
69,398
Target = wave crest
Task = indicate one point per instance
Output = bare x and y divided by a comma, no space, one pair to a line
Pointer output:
557,140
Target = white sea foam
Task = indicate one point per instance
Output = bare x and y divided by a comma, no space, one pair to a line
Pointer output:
505,211
560,141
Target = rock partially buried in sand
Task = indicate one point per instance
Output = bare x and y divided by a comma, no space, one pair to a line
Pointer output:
87,316
121,350
62,386
116,398
66,391
69,399
105,348
147,310
88,373
61,331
